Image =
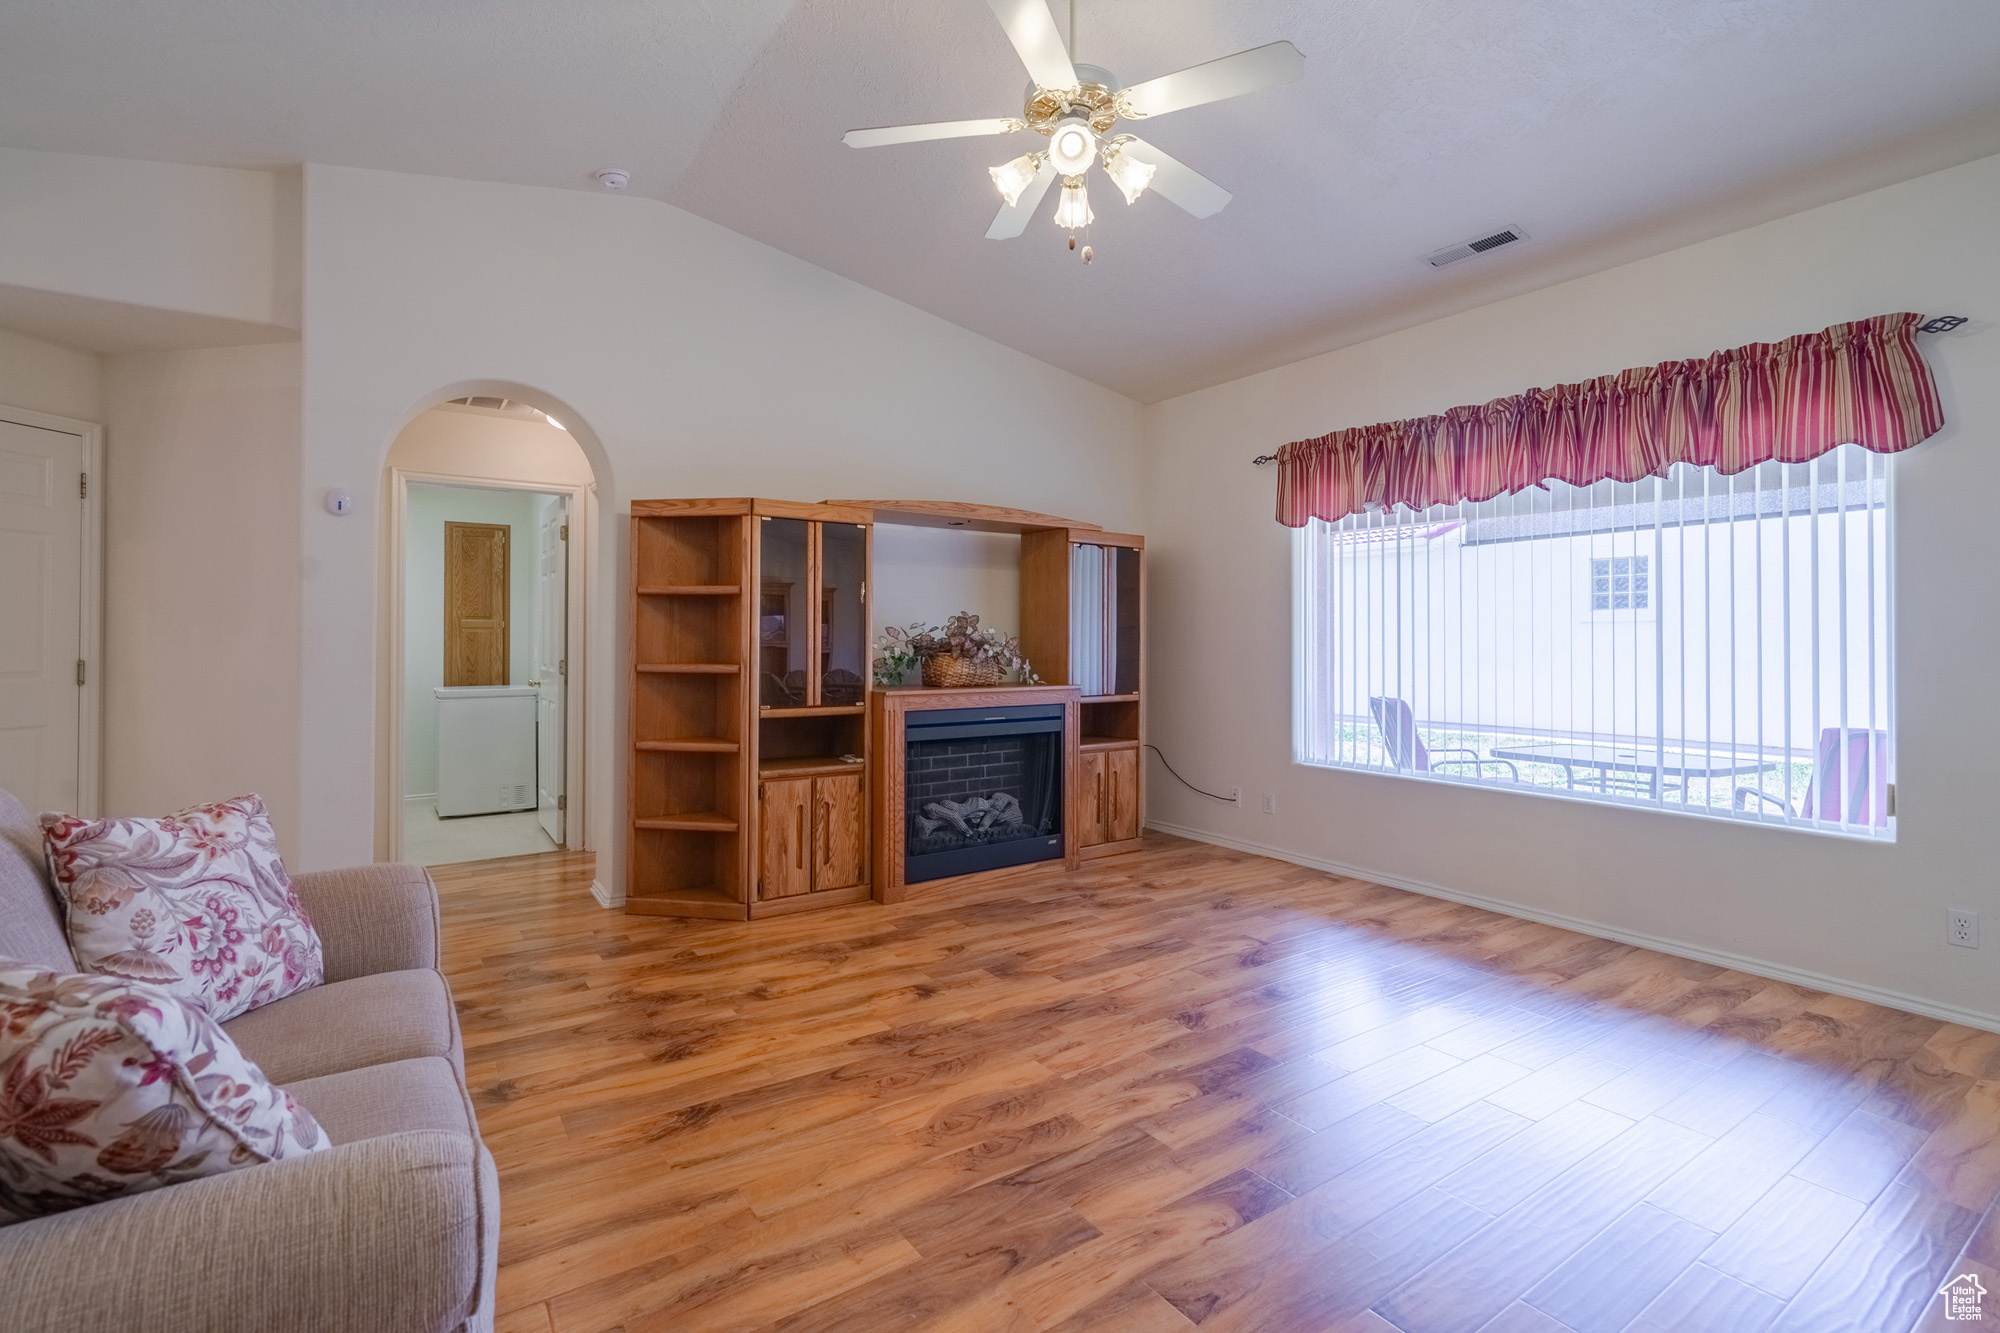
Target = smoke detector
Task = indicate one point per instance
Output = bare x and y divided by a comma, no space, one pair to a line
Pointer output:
1479,245
614,178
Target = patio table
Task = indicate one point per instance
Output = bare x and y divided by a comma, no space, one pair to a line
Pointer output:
1654,765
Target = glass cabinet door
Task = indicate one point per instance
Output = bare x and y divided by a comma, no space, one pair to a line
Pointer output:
782,635
843,613
1124,617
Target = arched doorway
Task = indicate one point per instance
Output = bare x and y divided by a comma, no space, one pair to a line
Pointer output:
490,499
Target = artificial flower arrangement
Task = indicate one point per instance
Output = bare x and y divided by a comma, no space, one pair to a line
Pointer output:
958,653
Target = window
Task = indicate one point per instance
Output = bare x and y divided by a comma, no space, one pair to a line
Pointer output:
1618,583
1712,645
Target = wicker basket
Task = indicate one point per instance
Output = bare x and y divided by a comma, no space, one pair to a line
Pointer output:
942,671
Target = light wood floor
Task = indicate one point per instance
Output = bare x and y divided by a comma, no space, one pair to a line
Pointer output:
1190,1087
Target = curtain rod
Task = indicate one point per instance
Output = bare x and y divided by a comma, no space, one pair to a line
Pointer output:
1936,324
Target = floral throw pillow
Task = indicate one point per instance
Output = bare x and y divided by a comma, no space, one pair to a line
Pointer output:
197,903
111,1087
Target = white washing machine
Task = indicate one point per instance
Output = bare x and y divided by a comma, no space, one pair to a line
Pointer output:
486,749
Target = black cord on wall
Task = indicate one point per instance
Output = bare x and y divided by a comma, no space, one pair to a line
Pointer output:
1226,800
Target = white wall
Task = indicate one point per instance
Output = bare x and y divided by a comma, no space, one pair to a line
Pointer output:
201,616
428,510
1868,916
931,574
46,377
686,360
458,440
203,241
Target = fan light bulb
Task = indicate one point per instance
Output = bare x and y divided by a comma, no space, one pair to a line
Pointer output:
1016,176
1072,146
1073,209
1129,174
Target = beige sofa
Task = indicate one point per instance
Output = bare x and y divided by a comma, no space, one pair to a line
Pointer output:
395,1227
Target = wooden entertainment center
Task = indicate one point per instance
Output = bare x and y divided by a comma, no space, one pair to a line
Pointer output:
761,756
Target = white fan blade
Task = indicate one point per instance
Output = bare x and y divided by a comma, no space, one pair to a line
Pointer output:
1178,183
1032,30
1249,71
937,129
1012,219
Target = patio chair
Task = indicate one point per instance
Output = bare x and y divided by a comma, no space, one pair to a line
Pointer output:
1849,784
1407,750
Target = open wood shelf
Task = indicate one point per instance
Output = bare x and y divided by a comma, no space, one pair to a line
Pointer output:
691,668
1111,698
703,821
813,766
825,710
691,745
690,590
1107,743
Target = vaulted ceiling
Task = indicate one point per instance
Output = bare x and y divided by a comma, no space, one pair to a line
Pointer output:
1608,129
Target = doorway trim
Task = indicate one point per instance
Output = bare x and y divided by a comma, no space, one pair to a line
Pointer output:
90,640
576,649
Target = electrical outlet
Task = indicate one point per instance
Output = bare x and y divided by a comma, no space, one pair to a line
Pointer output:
1270,803
1236,795
1961,928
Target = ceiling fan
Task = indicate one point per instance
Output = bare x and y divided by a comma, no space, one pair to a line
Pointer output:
1077,106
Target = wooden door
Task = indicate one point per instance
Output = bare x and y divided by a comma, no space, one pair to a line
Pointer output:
784,833
475,604
1122,801
1096,801
840,832
41,616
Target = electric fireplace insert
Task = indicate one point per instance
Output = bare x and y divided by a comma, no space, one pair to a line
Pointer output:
983,788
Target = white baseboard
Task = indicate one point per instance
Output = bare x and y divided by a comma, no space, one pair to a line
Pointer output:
1660,944
604,896
412,798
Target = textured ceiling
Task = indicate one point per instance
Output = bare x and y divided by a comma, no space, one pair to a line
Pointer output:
1608,129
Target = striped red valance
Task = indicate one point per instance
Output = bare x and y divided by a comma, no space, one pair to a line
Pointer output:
1863,383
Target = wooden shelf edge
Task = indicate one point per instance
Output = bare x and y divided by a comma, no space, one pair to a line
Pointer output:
689,590
1110,698
824,710
690,668
713,908
702,822
779,769
1107,743
691,745
957,514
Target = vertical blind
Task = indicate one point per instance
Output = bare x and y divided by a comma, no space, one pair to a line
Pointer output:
1706,643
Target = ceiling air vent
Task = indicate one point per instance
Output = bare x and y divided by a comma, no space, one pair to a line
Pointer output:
1451,254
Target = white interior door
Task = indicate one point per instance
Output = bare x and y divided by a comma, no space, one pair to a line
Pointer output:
41,616
551,667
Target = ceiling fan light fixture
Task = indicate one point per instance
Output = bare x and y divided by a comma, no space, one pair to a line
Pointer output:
1073,209
1072,145
1016,176
1128,173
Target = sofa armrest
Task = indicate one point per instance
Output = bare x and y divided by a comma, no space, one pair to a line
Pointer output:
380,918
387,1235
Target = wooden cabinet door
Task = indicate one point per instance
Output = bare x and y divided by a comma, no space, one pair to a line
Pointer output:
840,832
1096,800
784,838
1122,802
475,604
